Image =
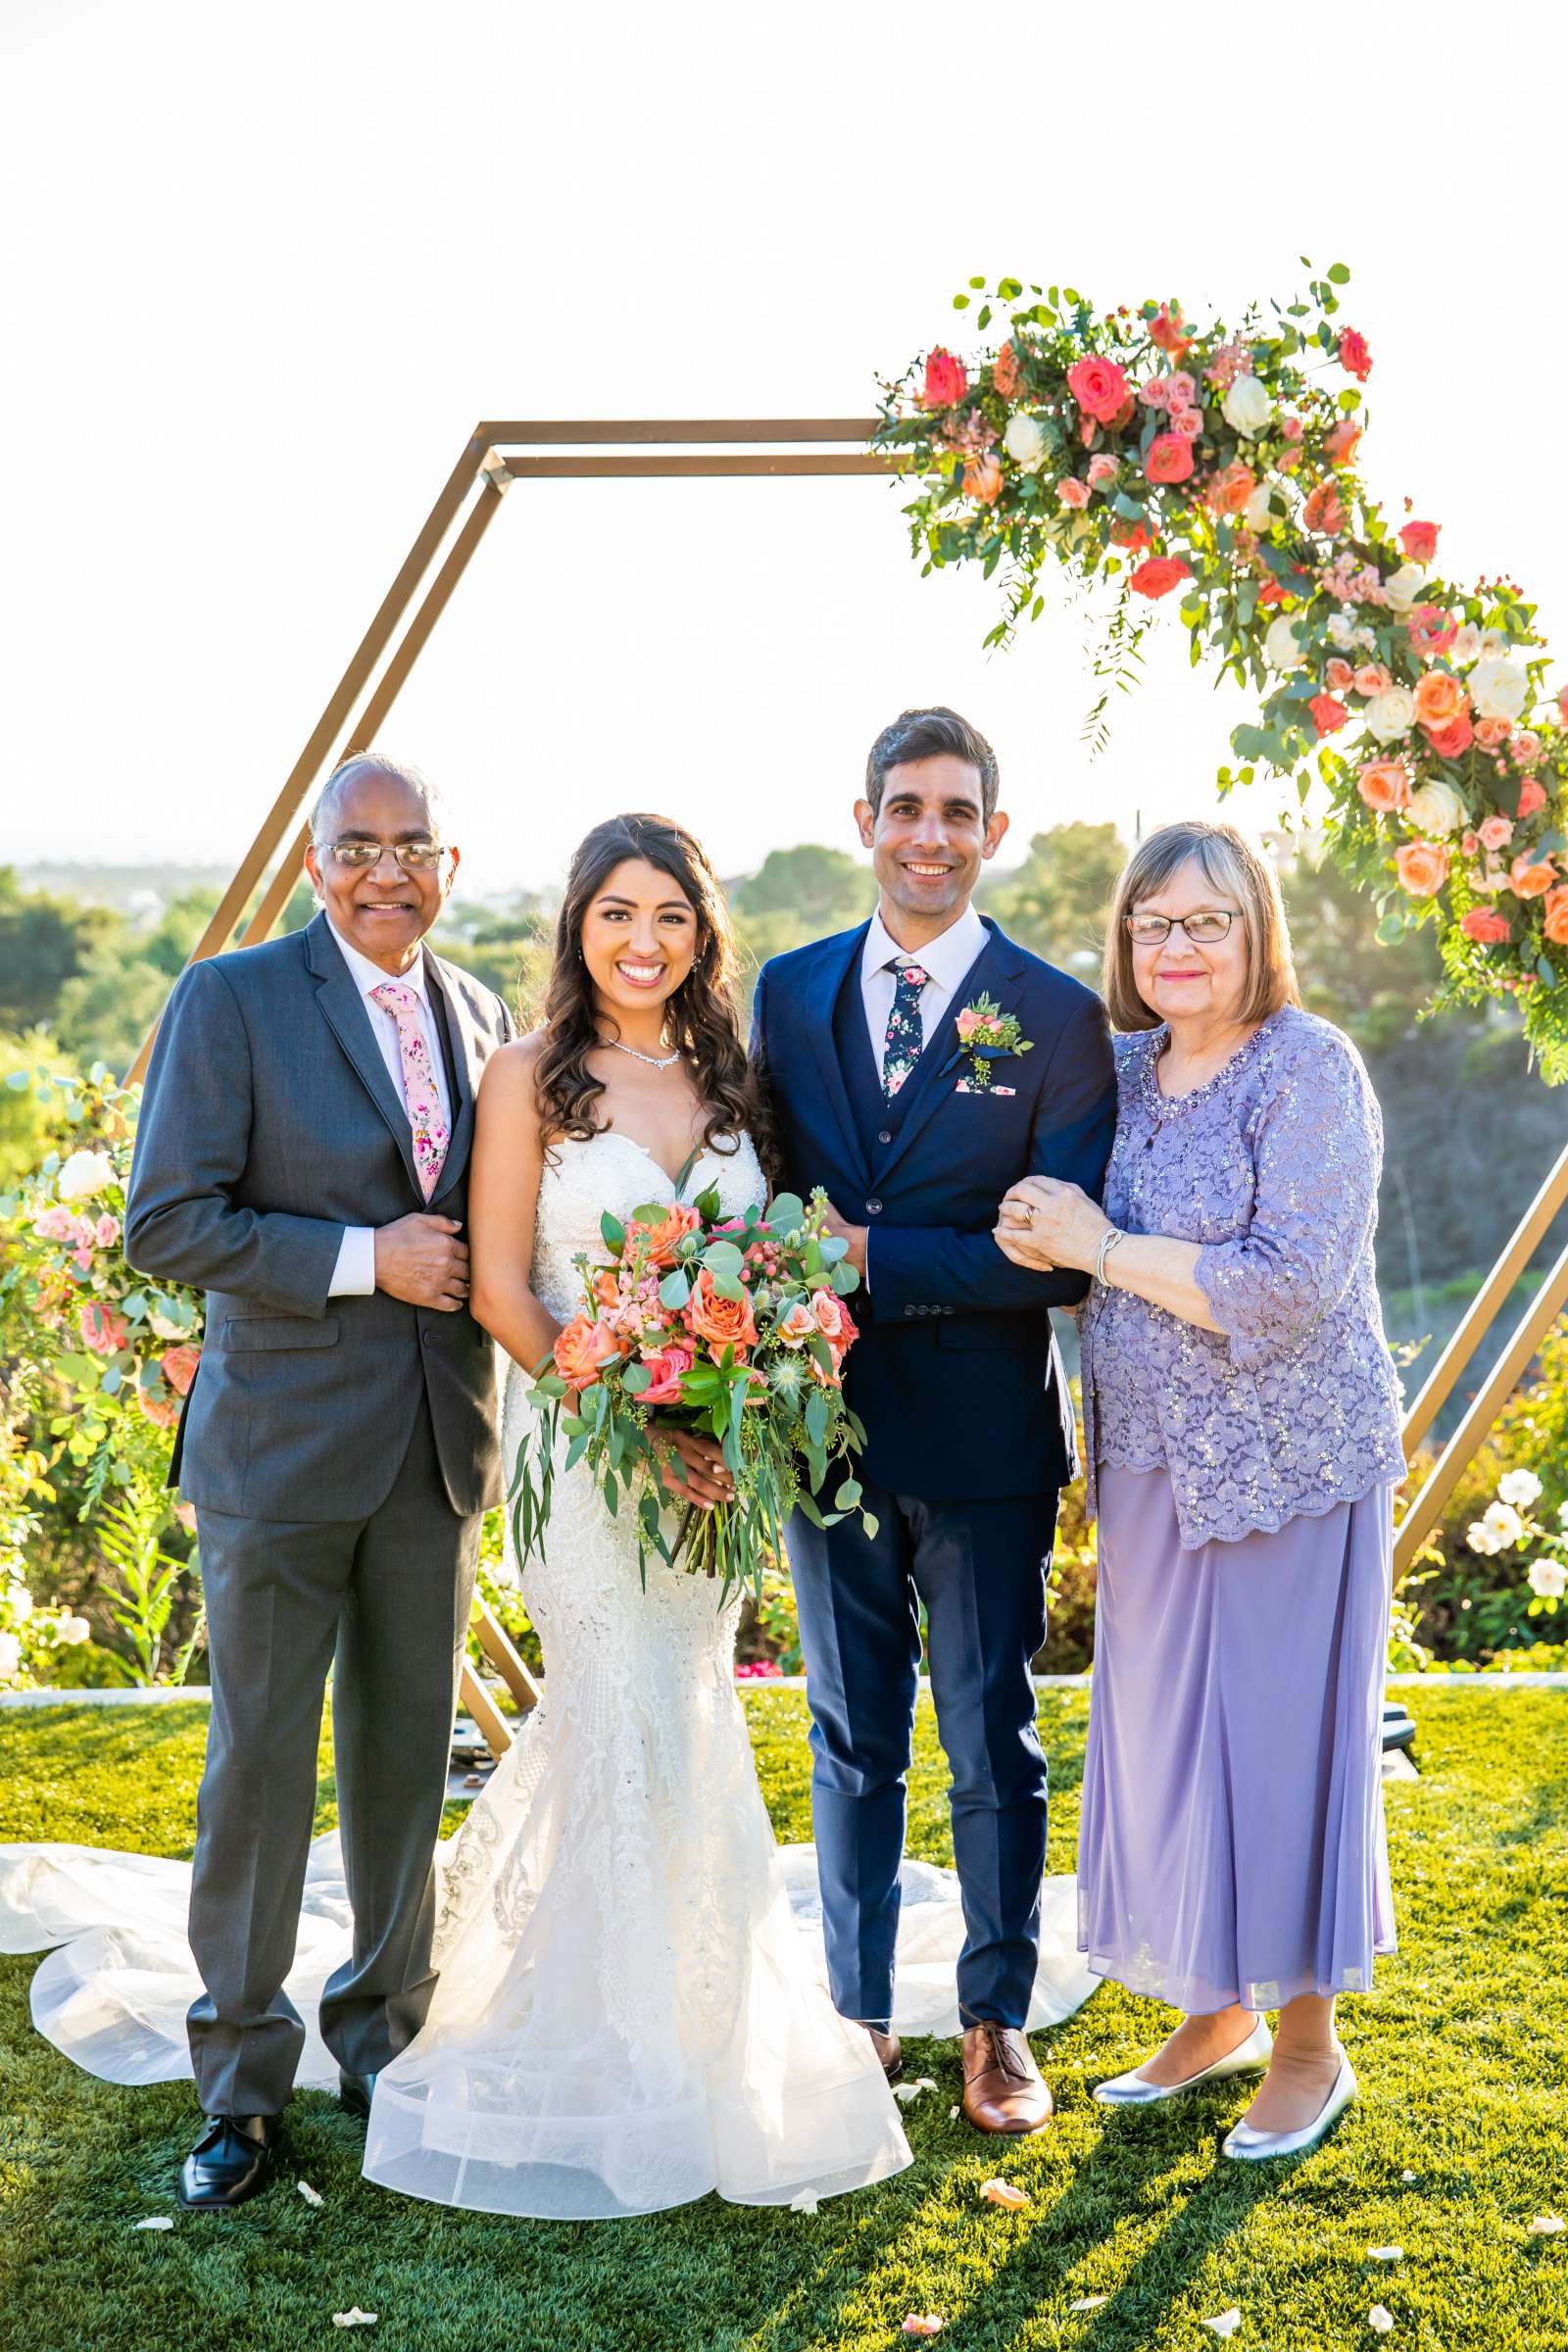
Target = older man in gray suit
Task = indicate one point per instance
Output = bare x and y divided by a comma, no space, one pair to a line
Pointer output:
302,1156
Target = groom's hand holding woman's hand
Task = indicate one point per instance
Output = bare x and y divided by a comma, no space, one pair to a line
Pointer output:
1043,1223
421,1259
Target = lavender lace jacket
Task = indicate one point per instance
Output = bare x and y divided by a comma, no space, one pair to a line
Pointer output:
1292,1405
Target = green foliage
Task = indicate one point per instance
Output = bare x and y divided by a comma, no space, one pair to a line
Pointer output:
44,942
1057,901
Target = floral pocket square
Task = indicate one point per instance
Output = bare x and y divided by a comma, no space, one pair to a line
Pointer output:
968,1086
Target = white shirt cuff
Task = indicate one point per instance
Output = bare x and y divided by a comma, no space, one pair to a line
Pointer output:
354,1275
865,1278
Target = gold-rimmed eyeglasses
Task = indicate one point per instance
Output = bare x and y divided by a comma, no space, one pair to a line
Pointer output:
417,856
1205,930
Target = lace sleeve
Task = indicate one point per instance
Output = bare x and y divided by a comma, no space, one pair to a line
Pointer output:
1318,1149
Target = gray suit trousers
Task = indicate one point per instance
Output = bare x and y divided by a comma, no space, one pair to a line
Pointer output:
389,1596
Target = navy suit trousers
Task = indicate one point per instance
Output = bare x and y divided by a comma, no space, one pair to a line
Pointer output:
980,1570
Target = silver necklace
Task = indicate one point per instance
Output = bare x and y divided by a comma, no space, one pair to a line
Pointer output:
655,1062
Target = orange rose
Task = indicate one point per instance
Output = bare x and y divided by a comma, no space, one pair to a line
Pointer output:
1384,785
982,478
1005,373
1229,492
162,1411
1531,881
1439,699
584,1349
178,1367
1555,925
1324,510
721,1322
1422,867
664,1236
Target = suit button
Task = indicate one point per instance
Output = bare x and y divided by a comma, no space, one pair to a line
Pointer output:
912,1310
886,1135
427,1336
874,1208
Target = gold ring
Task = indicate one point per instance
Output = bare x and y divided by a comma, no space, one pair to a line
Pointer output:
1028,1207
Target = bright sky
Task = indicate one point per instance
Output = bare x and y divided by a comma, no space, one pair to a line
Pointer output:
267,267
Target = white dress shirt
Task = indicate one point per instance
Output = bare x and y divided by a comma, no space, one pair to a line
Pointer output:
354,1275
948,958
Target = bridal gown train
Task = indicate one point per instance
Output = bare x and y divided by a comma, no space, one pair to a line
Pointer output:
632,2008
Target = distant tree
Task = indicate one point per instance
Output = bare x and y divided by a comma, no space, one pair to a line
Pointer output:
1055,901
826,889
44,942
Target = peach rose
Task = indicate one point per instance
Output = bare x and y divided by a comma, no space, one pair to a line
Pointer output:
663,1239
1486,926
1100,387
162,1411
1532,796
721,1322
1230,490
1169,459
582,1350
1072,492
797,1326
1102,471
1422,867
1555,925
1167,331
1497,833
106,1232
1324,510
1339,443
105,1332
1419,541
1531,878
1006,375
1526,747
1492,733
1384,785
982,478
1371,678
178,1367
1189,422
666,1365
945,380
1339,677
1439,698
1431,631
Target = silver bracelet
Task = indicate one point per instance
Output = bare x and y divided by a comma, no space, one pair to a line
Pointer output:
1107,1243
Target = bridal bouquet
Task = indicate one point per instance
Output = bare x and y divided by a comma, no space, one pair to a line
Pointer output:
736,1329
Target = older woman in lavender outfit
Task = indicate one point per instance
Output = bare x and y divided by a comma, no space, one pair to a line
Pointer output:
1243,1443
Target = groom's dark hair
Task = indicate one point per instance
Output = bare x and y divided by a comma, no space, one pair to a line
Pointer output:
921,735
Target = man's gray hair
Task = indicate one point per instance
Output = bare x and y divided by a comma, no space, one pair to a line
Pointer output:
325,817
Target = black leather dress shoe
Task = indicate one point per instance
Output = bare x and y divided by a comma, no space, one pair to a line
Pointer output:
355,2093
229,2162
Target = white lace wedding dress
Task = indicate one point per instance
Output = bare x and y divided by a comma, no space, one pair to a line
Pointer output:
631,2009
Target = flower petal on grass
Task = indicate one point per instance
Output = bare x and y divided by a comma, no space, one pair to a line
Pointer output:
1545,2225
354,2318
1380,2319
311,2196
160,2220
1225,2323
924,2322
1407,2175
806,2202
1089,2303
1385,2253
906,2091
1005,2192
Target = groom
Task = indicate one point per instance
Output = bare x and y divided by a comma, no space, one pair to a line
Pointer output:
969,1431
302,1156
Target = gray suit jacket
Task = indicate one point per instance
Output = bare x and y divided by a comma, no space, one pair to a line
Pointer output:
271,1123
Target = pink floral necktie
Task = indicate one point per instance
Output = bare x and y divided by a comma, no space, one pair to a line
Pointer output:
420,1097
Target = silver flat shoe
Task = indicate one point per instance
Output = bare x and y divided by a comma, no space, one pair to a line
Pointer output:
1250,2057
1250,2147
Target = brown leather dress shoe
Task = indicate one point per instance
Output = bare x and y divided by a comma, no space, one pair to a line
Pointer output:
1004,2090
889,2049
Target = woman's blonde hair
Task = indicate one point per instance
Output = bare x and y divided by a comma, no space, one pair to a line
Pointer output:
1229,862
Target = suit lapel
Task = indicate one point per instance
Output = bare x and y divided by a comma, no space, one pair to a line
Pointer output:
465,1061
343,1010
821,998
993,973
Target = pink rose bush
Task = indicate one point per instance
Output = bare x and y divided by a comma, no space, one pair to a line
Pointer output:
1222,459
733,1327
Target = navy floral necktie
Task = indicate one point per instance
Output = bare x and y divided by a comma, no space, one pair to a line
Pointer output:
905,1040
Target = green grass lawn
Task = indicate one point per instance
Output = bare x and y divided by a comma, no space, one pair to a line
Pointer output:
1460,2139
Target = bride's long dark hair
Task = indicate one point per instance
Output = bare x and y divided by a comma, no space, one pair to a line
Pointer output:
703,1016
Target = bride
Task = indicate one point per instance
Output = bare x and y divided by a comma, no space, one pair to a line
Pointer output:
631,2007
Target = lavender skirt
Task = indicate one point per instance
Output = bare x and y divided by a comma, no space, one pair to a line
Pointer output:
1232,1845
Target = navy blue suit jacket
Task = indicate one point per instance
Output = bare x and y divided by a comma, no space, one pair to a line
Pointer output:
956,1375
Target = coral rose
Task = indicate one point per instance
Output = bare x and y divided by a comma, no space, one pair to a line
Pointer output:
1169,459
1167,331
1532,796
797,1325
1072,492
1135,536
104,1330
1431,631
1486,926
162,1411
1006,373
666,1365
1339,443
1354,356
982,478
1384,785
1339,677
1439,698
1328,714
1490,733
1189,422
1526,746
178,1367
721,1322
945,380
1422,867
1103,471
1419,541
664,1236
582,1350
1100,387
1456,737
1230,491
1157,575
1556,924
1531,878
1324,510
1371,678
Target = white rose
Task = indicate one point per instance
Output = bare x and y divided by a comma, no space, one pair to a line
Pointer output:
1480,1539
1505,1524
1500,689
1405,586
75,1629
1390,713
1258,513
10,1656
1343,632
1438,809
1025,443
1281,646
1546,1579
1247,407
1466,645
84,1173
1521,1488
19,1602
1494,641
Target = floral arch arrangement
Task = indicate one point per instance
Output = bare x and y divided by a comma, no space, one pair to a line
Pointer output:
1220,463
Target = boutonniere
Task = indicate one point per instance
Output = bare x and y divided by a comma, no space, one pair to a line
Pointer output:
987,1035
